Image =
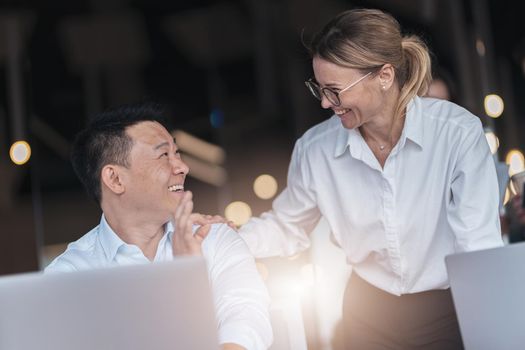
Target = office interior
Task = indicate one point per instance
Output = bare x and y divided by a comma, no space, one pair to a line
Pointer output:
231,74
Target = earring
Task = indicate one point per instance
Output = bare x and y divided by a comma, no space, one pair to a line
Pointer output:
383,86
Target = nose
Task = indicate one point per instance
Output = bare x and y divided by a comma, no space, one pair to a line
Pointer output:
179,167
325,103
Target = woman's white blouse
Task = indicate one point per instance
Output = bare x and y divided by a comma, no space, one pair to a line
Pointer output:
436,195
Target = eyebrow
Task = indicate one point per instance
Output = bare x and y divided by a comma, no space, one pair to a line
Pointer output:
334,86
163,144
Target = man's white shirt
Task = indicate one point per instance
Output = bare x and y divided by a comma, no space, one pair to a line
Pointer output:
240,297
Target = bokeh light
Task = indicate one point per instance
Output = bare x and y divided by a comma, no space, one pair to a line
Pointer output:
265,186
480,47
493,141
515,160
238,212
494,105
507,196
20,152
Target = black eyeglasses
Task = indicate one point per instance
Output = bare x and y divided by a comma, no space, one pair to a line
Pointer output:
330,94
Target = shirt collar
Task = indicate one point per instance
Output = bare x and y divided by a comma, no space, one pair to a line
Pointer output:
111,242
351,139
412,130
169,230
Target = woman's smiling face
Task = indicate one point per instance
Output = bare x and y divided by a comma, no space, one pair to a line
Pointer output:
360,103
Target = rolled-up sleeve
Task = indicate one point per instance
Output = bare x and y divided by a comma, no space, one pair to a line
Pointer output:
241,298
284,230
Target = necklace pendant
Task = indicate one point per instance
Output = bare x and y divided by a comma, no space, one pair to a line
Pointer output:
381,147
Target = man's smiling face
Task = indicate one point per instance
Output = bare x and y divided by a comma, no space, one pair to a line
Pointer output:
155,178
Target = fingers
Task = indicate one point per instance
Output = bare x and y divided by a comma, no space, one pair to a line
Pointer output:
200,219
218,219
186,222
180,208
183,212
203,231
207,219
232,225
184,242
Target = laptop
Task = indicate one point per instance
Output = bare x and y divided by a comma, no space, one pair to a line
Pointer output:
155,306
488,288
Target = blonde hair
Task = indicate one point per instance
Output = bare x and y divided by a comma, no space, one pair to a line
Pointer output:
366,39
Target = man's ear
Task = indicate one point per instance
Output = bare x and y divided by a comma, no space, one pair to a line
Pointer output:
112,178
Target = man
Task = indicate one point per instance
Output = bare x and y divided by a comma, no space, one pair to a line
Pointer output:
130,164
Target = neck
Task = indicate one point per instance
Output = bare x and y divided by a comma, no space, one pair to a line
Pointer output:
383,132
132,230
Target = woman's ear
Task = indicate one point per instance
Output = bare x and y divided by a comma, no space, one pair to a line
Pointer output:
387,75
112,178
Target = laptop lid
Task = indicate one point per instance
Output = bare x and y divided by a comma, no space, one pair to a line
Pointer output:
488,288
155,306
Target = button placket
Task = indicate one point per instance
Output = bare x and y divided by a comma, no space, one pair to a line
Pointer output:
392,235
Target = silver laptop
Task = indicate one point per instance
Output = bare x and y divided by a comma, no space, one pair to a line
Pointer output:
488,288
155,306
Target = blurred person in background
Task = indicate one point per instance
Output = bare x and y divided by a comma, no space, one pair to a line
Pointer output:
441,86
515,219
129,163
397,176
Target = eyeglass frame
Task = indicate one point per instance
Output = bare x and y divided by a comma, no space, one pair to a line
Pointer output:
310,82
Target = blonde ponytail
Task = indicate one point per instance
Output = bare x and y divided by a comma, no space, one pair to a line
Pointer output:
417,71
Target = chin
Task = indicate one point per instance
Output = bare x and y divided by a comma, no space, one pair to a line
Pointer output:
348,125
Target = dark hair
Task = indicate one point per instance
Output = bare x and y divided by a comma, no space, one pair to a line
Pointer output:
366,39
105,141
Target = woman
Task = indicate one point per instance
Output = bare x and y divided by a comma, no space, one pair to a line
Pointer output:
402,180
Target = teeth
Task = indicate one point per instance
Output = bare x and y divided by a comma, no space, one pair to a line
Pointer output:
341,111
176,188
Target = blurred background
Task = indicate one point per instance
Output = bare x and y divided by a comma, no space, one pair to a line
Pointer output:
231,75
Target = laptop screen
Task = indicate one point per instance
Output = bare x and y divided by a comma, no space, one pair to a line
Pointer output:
154,306
488,288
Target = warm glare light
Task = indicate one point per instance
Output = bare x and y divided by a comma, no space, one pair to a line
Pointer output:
493,141
507,196
265,186
263,270
493,105
310,274
238,212
20,152
516,161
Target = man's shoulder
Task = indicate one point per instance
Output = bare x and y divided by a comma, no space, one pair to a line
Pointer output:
221,232
78,254
223,239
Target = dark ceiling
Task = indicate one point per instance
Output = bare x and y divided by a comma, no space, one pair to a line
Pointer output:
241,61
